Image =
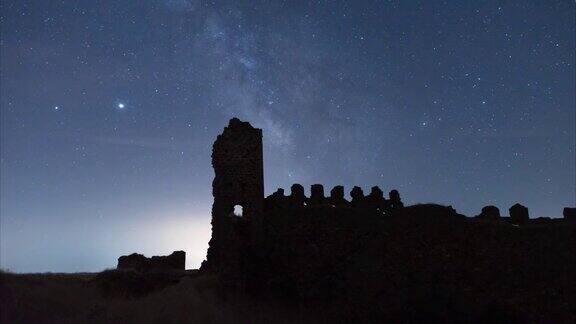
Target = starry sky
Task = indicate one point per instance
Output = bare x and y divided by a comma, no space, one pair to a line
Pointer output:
109,110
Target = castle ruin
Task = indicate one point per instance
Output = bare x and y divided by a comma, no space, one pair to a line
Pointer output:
371,257
240,211
245,223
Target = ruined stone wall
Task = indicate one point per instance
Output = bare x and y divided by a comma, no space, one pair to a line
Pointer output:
138,262
370,253
350,260
238,181
239,171
238,243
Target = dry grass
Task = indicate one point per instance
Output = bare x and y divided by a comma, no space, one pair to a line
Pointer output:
125,297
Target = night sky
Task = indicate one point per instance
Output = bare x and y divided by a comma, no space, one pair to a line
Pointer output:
109,110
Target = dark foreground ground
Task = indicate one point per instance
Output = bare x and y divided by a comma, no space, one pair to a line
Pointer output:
424,265
129,297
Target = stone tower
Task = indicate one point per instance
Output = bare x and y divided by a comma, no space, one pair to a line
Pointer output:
238,187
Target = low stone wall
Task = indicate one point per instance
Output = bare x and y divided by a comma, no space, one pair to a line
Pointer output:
138,262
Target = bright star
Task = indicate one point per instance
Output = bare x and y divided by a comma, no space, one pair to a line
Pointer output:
121,105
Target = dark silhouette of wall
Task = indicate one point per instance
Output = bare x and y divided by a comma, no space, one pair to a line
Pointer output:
239,181
569,214
134,261
370,257
237,159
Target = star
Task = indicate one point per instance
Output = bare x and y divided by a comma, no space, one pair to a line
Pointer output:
121,106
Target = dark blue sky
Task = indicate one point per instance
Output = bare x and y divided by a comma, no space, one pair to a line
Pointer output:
109,110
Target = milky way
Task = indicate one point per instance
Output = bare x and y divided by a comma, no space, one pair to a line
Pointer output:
109,110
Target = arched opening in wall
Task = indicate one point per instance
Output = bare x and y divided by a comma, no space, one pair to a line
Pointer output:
238,211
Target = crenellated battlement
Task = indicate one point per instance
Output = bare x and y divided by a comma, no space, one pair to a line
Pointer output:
375,200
